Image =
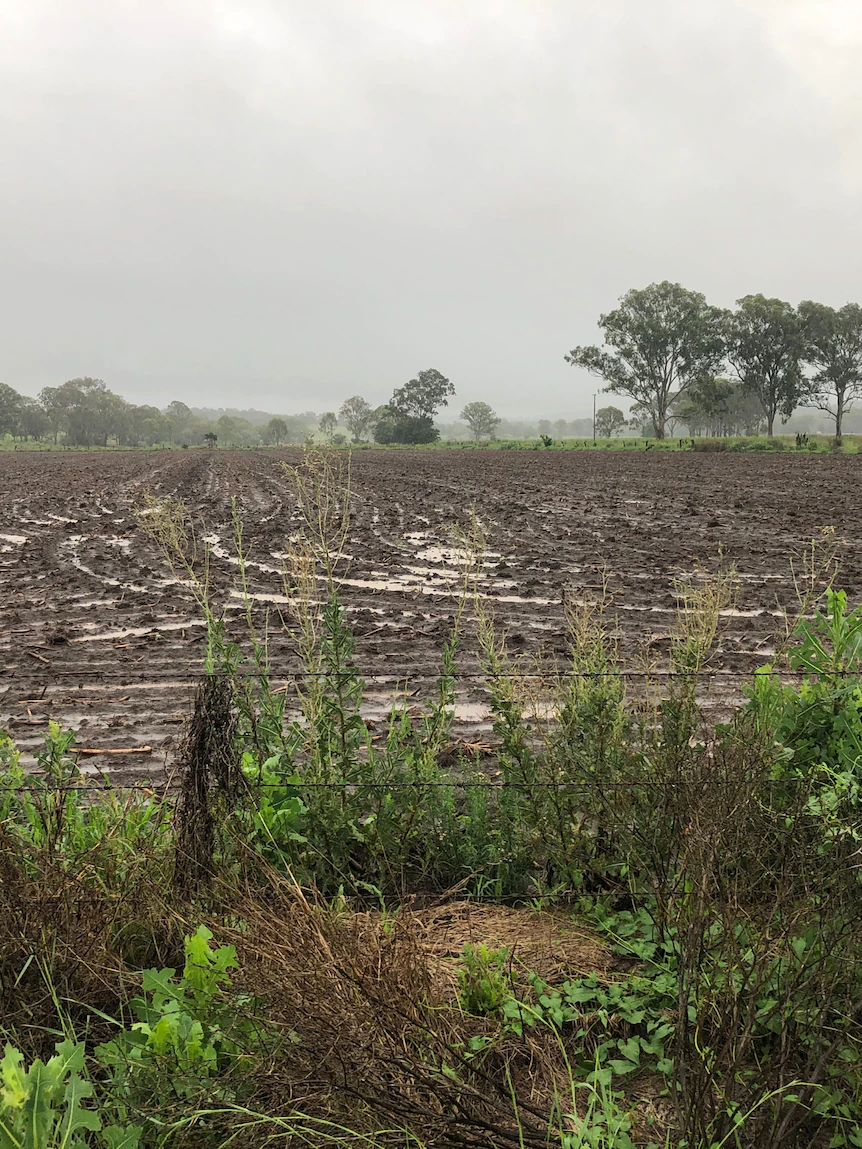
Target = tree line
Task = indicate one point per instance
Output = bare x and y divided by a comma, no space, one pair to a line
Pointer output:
409,415
667,349
86,413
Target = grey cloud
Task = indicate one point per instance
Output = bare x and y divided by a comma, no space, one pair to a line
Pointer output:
283,204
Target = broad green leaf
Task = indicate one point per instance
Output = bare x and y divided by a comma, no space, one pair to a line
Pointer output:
75,1116
13,1078
122,1137
622,1067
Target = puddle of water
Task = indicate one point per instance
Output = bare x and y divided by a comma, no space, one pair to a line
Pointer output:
259,597
703,575
214,544
472,712
136,631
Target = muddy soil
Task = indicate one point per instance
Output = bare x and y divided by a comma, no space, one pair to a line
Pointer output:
96,635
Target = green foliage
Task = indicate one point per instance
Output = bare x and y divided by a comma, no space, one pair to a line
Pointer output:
484,982
720,407
609,422
422,397
10,409
408,417
276,430
188,1039
406,430
335,806
327,423
481,420
357,415
818,721
48,817
659,342
833,347
45,1106
765,346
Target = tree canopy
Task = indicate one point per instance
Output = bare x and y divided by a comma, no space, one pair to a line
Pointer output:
327,424
609,421
276,430
658,342
409,415
833,348
718,406
765,345
356,414
481,419
422,397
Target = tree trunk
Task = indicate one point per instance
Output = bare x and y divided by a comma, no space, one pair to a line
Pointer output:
839,419
770,423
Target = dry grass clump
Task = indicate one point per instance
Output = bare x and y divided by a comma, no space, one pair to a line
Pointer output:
377,1037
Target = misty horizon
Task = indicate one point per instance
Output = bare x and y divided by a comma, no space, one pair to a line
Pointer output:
297,204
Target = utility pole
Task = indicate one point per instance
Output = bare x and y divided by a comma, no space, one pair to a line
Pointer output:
594,416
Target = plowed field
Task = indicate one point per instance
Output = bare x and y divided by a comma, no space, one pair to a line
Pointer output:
96,635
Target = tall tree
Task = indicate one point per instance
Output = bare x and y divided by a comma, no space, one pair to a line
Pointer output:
716,406
422,397
327,424
88,412
765,345
180,416
657,343
236,431
833,348
146,424
411,410
276,430
10,409
357,415
481,419
54,406
609,420
32,420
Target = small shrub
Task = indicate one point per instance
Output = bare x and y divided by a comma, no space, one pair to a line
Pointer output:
187,1032
484,982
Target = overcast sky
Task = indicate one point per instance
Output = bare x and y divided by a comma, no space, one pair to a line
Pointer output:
280,204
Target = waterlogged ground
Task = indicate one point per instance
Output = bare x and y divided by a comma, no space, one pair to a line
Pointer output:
95,633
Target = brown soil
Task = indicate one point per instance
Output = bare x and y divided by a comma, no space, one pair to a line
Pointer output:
95,635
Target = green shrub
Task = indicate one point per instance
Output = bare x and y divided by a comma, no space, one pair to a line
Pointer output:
189,1042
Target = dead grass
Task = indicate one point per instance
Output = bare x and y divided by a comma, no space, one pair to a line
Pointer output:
378,1037
544,942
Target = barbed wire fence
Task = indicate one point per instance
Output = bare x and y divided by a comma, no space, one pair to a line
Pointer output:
399,679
